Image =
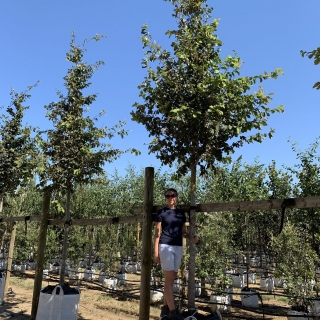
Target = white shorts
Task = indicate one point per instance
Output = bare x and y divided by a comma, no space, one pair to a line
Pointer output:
170,257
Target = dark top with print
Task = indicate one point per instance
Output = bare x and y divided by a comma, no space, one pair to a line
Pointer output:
171,225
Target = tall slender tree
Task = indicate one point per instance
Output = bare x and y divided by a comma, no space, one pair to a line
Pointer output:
196,106
17,148
73,149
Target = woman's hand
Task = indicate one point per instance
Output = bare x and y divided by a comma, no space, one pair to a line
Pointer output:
156,259
195,239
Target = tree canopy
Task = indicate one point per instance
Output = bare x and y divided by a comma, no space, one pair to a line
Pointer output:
196,106
17,147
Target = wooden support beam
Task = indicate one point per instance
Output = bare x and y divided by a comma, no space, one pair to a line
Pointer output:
137,216
146,254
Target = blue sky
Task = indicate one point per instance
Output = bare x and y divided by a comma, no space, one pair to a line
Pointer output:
268,34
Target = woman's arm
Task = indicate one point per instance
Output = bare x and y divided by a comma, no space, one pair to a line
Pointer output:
157,231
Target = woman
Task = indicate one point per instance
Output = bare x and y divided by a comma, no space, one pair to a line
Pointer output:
168,249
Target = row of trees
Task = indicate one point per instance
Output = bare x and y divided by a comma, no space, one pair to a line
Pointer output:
223,235
195,105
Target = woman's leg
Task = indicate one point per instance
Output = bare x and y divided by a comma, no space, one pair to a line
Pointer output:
169,277
164,298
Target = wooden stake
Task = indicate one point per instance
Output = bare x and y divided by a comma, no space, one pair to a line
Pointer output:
146,255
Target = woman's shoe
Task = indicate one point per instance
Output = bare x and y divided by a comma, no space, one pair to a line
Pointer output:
164,312
175,315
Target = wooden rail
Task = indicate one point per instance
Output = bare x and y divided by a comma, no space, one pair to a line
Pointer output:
137,216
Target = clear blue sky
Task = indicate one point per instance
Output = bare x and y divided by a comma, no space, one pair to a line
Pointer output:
267,34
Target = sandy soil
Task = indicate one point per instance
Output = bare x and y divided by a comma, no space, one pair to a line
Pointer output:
96,304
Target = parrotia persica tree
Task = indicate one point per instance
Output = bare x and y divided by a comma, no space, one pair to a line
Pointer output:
196,106
74,151
17,146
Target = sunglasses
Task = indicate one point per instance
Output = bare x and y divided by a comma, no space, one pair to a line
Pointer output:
170,196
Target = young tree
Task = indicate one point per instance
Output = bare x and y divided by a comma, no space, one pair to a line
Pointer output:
16,146
307,173
73,151
196,106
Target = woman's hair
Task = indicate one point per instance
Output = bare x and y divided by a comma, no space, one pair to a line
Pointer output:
171,189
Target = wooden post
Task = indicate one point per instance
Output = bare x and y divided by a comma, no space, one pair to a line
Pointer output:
183,268
192,247
146,254
9,261
138,241
40,253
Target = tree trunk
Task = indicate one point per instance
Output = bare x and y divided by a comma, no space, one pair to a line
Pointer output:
1,203
192,247
40,253
65,239
5,231
10,254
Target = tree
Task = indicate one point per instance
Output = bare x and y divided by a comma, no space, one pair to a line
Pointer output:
307,173
73,150
16,146
195,105
315,55
17,149
295,264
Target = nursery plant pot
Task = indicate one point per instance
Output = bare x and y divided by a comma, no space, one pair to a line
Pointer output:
278,283
31,265
3,265
242,269
55,268
20,268
267,284
89,274
250,277
45,274
102,276
220,302
110,283
82,264
294,315
197,288
254,262
156,294
131,268
237,280
122,277
176,285
315,307
229,291
249,298
58,302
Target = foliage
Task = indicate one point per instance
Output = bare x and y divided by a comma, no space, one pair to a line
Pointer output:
196,106
215,249
315,55
73,150
295,262
307,173
17,147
